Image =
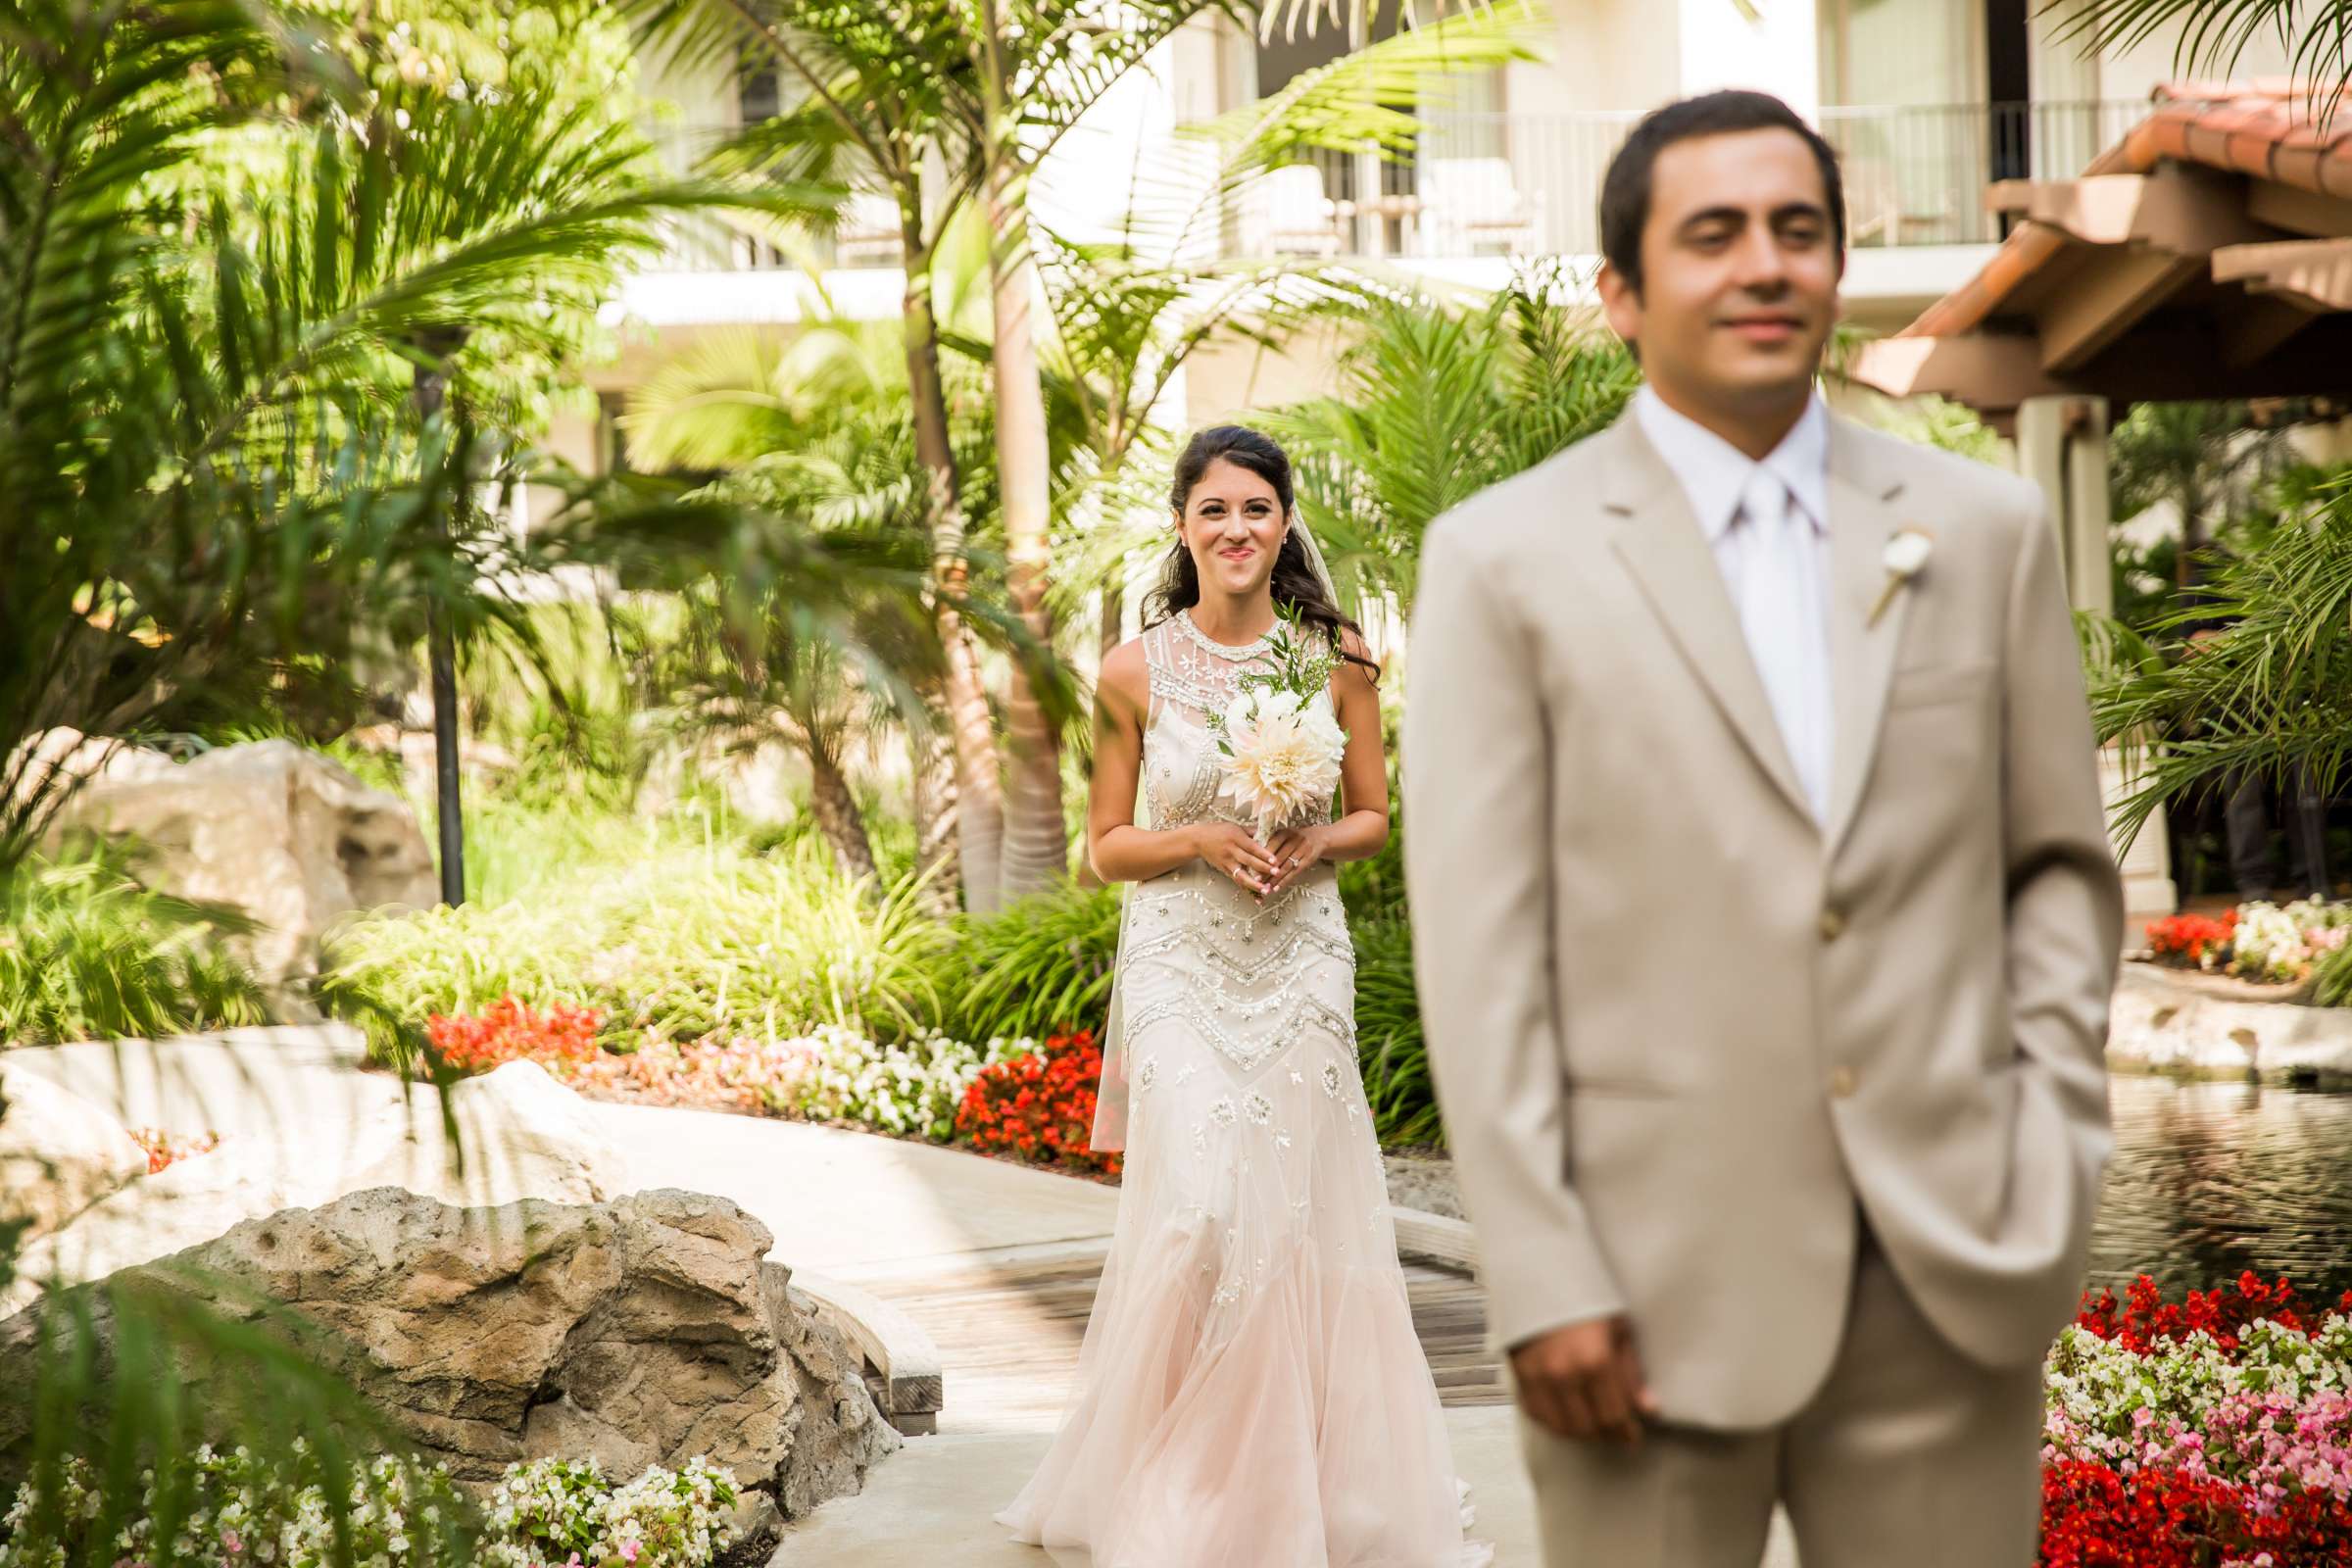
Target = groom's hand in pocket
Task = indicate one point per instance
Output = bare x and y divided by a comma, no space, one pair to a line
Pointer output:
1584,1380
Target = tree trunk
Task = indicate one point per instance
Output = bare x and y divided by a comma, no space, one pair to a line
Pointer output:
932,751
1114,610
1036,844
838,816
978,793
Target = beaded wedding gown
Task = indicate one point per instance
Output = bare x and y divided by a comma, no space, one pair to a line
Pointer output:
1251,1391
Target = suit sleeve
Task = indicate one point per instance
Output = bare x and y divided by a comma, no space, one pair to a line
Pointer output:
2065,894
1477,765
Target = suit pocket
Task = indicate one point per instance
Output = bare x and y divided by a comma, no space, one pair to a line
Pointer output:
1931,685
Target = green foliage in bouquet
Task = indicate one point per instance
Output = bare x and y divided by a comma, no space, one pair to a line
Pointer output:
1303,667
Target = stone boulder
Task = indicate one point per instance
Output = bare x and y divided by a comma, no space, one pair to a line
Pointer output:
641,1331
523,1134
2206,1026
59,1153
282,833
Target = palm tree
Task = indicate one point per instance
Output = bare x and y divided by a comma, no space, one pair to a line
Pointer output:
818,431
870,109
221,487
990,100
2268,694
2203,459
1437,400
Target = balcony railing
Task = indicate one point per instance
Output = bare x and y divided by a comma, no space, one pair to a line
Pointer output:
1530,183
1527,184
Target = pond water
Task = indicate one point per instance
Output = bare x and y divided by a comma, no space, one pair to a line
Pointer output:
2209,1180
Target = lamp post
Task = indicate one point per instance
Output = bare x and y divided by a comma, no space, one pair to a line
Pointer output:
429,390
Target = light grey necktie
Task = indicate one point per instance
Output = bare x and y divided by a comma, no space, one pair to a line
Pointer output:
1786,634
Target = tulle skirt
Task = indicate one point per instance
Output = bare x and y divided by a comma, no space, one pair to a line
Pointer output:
1252,1393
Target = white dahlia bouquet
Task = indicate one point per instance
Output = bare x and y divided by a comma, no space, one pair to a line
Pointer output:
1279,749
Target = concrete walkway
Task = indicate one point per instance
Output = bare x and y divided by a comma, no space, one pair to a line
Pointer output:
891,1215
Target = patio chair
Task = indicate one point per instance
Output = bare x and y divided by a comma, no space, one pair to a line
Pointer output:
868,235
1286,214
1470,203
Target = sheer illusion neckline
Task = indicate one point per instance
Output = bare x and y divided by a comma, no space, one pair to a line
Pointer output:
1232,652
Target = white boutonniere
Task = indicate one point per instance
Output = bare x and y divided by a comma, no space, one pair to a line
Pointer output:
1906,557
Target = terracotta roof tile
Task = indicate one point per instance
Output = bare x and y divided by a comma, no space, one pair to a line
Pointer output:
2296,165
2250,154
2273,127
2168,135
2335,173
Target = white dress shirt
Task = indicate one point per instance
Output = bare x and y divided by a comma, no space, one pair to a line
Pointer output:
1775,566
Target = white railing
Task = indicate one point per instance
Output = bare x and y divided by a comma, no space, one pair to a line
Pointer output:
1526,184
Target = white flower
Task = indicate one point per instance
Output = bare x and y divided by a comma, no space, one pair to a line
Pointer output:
1905,558
1258,1108
1907,553
1221,1112
1283,756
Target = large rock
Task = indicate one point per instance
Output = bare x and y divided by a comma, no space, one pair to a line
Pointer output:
59,1153
286,835
2202,1026
524,1135
641,1331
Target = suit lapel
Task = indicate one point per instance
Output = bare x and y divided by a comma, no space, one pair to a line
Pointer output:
1862,518
1661,543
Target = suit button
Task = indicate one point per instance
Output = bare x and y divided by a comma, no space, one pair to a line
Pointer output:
1833,925
1841,1082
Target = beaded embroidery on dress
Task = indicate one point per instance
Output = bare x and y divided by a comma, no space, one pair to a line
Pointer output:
1251,1388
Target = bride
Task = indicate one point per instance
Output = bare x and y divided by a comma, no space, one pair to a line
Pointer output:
1252,1392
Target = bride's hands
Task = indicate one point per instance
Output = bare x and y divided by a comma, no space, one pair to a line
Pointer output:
1244,861
1295,850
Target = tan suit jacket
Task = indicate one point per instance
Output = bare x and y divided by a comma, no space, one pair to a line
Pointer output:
1679,1028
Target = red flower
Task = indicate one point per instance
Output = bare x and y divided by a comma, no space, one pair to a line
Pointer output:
2184,938
509,1031
1038,1107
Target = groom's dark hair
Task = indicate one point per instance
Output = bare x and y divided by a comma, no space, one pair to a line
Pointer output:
1625,189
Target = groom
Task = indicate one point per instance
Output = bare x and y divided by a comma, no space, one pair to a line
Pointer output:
1765,919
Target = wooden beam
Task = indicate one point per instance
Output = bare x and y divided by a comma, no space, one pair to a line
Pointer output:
1986,370
2177,208
2170,363
2257,327
2298,210
2107,301
2009,196
2315,274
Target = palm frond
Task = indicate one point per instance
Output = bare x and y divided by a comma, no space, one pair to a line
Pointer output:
2265,692
2212,36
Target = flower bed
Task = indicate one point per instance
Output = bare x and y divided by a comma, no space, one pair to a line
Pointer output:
240,1510
508,1031
2216,1432
2263,942
1037,1105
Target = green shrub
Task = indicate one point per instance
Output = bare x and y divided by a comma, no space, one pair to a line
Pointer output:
2332,979
88,953
675,942
1389,1046
1041,965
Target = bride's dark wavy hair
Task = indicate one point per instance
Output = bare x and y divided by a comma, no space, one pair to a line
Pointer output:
1294,582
